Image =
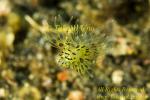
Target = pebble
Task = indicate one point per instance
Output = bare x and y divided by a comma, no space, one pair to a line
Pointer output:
76,95
63,76
117,77
5,7
10,39
2,93
6,39
39,56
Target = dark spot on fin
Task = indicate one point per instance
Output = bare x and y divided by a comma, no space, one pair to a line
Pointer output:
82,46
74,53
53,40
60,44
81,60
61,36
77,46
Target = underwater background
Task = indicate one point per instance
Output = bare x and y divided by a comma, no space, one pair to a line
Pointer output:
31,69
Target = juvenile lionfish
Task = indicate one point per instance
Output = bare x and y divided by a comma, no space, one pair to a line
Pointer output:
78,48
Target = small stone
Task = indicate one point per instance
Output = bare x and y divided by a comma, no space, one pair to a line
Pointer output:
6,39
47,98
148,85
47,82
117,77
121,46
62,76
5,7
39,56
2,93
10,39
76,95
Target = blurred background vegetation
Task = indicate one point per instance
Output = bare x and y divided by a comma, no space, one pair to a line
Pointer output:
28,70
